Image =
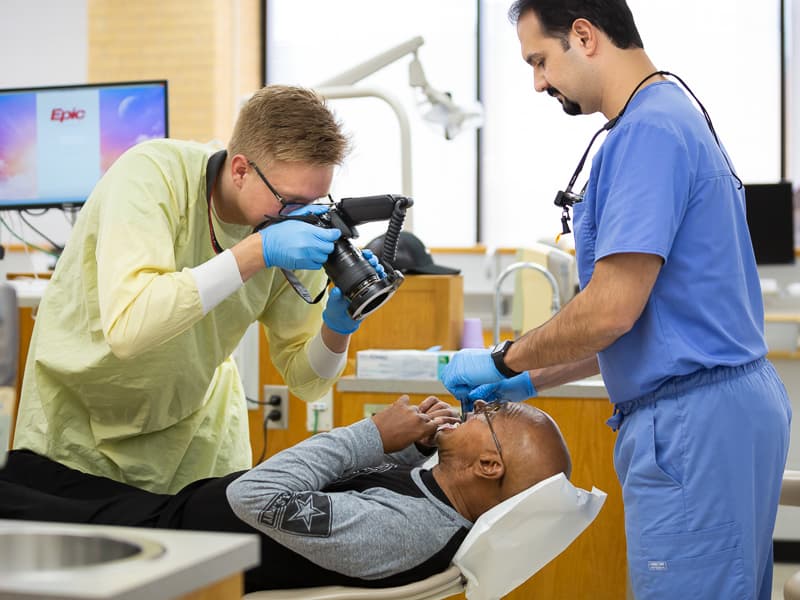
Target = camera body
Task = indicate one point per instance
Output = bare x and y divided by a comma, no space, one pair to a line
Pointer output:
346,266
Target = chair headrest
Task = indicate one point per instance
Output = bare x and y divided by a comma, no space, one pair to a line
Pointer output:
516,538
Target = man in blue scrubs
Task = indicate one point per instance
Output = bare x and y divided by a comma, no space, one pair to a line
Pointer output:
670,313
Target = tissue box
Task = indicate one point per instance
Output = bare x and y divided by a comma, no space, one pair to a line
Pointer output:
401,364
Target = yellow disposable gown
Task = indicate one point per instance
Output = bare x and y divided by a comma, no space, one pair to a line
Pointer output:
166,406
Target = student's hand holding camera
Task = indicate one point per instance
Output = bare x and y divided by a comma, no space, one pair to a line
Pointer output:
296,244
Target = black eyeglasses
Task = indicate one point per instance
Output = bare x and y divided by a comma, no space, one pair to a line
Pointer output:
488,409
286,207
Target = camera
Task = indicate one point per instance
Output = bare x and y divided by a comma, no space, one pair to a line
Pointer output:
346,266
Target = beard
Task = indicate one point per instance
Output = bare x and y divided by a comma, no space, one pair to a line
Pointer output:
570,107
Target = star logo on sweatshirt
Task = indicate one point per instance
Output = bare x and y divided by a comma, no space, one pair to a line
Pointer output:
299,513
305,511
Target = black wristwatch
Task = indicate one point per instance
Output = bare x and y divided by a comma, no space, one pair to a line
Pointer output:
499,358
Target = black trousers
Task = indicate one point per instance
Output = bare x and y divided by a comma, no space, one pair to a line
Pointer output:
37,488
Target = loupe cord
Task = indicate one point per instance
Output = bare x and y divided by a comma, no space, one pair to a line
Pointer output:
709,123
567,198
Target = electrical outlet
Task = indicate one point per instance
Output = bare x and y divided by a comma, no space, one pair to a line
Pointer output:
276,397
319,414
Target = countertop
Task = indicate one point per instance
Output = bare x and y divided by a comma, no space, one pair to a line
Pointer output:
29,290
191,560
592,387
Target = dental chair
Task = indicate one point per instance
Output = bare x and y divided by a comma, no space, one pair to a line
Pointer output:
9,350
504,548
790,496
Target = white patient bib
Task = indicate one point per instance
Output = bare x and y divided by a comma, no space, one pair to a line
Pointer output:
519,536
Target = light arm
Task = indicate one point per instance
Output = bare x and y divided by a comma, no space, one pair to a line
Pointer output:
376,63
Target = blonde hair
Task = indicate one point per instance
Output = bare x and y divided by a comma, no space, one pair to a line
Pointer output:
291,124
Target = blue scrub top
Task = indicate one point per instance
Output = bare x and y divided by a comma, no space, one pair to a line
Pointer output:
660,185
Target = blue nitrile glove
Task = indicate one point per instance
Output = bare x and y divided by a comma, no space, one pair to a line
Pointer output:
514,389
373,260
469,369
296,244
335,315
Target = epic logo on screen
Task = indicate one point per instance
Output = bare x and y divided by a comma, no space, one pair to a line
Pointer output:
61,115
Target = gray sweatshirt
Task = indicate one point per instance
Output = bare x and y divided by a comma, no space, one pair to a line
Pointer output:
337,500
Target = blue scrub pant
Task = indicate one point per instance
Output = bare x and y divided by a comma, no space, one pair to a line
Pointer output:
701,461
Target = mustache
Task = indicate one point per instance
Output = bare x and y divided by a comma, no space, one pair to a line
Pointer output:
553,92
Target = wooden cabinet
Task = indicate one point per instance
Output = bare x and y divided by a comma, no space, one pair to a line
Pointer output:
230,588
26,319
427,310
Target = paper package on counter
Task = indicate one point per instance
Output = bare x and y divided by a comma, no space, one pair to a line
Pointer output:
519,536
401,364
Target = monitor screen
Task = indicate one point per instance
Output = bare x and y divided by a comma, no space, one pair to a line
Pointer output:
56,142
770,218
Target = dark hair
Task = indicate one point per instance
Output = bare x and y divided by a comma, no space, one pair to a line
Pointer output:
613,17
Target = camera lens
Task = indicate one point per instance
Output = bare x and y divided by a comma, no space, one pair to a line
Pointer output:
372,296
358,280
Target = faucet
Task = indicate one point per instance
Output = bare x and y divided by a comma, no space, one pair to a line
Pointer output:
555,305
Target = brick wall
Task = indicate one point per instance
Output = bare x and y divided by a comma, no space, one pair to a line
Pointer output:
208,50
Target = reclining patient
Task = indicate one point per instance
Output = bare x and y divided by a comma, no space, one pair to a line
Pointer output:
348,507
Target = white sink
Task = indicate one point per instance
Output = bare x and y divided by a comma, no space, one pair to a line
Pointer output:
27,551
62,561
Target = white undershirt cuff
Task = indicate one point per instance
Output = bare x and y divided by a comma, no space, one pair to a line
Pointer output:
325,362
217,279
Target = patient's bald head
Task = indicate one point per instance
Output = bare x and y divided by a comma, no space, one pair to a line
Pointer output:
482,469
536,448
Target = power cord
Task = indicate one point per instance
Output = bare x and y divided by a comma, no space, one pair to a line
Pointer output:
270,402
58,248
273,415
25,242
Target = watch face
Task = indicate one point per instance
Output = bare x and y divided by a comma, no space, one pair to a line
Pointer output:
501,347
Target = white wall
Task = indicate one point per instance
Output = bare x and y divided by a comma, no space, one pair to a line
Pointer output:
42,42
306,51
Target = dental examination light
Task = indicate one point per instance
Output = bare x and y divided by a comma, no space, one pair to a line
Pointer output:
438,106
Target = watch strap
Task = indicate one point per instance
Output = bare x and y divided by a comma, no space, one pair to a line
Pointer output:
499,355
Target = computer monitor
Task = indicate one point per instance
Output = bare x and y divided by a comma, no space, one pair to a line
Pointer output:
770,218
56,142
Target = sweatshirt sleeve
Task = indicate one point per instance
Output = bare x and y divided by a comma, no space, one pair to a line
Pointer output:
368,534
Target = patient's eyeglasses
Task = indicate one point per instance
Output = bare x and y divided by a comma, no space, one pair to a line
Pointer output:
286,207
487,410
